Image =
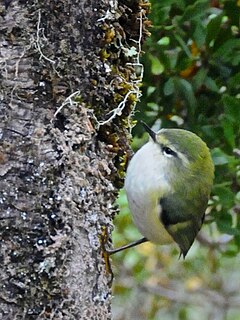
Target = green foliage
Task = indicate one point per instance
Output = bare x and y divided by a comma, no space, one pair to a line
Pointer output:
192,81
192,66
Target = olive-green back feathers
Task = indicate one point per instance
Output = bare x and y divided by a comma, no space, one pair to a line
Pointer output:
190,174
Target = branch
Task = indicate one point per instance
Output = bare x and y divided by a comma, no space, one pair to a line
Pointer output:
214,244
199,297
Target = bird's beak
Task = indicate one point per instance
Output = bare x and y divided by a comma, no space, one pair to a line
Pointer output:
149,130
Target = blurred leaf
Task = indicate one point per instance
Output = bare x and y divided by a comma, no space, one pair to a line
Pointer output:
183,45
164,41
199,35
232,107
234,82
168,87
211,84
229,52
227,125
161,13
237,197
186,90
200,77
213,28
195,10
150,90
156,66
227,198
171,58
219,157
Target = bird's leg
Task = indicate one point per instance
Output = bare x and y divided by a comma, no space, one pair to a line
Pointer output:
129,245
103,240
107,252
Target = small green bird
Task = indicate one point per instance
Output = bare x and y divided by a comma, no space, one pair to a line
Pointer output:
168,184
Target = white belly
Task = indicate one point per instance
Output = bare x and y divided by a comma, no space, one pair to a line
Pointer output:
145,185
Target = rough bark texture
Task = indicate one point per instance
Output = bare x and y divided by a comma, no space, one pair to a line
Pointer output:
64,66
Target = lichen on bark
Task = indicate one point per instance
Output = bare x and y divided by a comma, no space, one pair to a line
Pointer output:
66,65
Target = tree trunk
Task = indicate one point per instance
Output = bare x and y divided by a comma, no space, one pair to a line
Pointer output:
70,76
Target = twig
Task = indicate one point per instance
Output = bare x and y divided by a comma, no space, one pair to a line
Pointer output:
111,13
118,111
67,101
38,41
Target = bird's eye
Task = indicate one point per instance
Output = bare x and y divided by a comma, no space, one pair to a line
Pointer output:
168,152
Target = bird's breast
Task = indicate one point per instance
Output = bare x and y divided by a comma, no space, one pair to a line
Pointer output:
145,184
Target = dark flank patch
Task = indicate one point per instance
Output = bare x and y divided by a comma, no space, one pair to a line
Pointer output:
180,222
170,215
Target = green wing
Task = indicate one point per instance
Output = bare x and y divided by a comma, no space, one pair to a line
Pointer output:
183,219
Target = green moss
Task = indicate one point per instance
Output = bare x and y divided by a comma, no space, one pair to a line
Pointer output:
104,55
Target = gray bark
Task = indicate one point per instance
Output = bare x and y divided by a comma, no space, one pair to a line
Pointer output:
63,69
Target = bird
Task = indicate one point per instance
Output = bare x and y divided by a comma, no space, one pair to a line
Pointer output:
168,184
